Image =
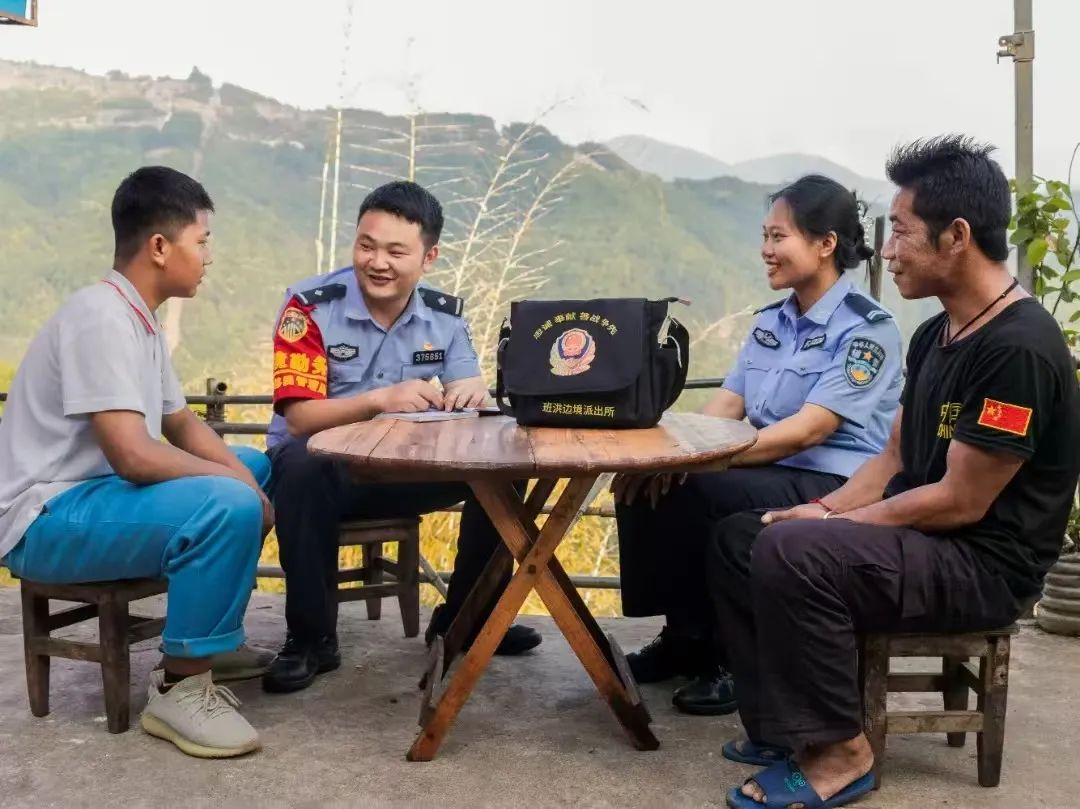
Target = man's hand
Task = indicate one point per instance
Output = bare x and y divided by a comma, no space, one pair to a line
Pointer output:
410,396
810,511
626,488
462,393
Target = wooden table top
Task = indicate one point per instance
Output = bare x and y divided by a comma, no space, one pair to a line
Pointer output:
495,446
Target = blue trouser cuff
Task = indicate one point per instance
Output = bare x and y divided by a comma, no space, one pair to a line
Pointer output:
203,647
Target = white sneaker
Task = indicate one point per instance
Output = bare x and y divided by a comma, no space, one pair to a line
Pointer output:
199,717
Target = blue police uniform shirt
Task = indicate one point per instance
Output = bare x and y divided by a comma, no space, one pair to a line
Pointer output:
844,354
429,339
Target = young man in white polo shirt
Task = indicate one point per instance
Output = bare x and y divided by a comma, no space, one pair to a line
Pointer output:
90,492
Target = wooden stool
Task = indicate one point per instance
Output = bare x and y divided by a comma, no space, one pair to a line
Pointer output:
990,684
371,535
106,601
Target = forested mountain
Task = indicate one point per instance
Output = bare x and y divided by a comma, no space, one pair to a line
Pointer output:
526,213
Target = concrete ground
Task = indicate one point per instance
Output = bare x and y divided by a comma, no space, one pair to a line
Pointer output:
534,734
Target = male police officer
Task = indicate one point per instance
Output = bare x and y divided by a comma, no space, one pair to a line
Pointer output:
362,341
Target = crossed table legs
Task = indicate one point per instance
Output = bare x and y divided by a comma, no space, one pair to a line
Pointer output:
538,569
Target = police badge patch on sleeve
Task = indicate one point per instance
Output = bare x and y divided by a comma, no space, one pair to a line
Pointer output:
863,363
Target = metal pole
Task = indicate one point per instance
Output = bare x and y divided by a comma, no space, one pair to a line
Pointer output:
331,252
1020,46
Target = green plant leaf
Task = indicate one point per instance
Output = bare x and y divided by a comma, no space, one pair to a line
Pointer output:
1021,235
1070,276
1075,316
1036,251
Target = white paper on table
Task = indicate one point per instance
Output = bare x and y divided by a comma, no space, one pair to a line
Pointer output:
431,415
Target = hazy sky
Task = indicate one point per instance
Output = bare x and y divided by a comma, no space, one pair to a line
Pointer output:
842,78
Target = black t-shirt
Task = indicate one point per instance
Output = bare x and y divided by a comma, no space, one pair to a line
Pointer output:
1010,388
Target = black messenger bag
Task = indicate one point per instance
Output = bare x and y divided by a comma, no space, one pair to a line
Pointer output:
607,363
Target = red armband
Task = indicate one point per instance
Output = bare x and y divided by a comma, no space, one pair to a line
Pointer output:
299,355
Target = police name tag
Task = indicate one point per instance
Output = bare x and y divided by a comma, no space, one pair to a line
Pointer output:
426,357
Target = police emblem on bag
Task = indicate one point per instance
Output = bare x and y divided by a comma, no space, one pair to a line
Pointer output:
572,353
609,363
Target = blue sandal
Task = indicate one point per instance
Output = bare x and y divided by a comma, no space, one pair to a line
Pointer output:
785,786
761,755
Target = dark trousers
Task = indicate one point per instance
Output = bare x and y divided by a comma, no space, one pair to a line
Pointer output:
662,550
791,599
313,495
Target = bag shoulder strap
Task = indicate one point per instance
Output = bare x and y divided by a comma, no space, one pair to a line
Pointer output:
500,389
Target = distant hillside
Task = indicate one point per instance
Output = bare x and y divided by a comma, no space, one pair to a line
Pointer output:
668,162
606,229
783,168
67,138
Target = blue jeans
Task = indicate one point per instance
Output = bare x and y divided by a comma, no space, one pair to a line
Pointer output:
203,534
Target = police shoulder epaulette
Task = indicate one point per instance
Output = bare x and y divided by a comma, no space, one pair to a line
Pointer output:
867,307
773,305
330,292
441,302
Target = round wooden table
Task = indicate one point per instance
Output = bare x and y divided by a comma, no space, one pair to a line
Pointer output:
490,453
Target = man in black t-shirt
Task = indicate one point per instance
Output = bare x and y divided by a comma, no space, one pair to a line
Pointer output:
951,528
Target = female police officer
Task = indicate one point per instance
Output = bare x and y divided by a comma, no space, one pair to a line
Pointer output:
819,376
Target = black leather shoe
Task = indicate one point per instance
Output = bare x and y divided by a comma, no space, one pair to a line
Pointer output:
298,663
517,640
707,695
666,656
328,654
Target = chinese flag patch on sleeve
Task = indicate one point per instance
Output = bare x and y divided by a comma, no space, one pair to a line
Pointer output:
1006,417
